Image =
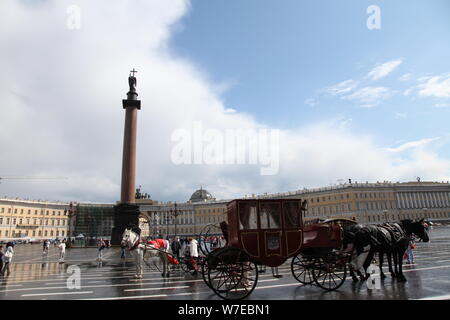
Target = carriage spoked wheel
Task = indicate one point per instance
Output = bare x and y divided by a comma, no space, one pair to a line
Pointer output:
208,231
301,268
184,266
204,271
329,271
231,274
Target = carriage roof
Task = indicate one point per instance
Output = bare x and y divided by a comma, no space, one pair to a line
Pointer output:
269,230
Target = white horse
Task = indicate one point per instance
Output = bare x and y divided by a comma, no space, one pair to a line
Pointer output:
132,240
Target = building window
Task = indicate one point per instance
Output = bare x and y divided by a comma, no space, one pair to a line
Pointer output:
15,210
29,211
47,212
53,213
3,210
35,212
1,220
9,210
21,211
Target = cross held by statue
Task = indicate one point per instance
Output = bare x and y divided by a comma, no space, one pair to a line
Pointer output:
133,72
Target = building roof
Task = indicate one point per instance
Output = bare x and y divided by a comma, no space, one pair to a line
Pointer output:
201,195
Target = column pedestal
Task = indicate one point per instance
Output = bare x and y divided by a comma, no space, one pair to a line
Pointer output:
124,215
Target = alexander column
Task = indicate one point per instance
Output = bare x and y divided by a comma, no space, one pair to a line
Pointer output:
127,212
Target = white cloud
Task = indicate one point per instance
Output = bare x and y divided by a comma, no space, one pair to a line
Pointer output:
342,87
405,77
61,112
369,96
384,69
400,115
442,105
435,86
311,102
413,144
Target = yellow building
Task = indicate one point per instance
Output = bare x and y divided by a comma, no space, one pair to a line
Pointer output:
376,202
33,218
366,202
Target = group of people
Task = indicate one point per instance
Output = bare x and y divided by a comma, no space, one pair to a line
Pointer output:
61,246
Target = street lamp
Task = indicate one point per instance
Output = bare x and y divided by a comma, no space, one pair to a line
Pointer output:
425,211
70,212
385,216
175,213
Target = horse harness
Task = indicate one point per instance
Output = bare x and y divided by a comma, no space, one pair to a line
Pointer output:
396,232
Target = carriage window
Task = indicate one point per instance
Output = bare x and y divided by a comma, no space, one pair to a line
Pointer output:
291,212
270,216
248,218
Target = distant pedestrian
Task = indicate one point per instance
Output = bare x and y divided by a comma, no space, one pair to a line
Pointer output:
122,252
101,246
409,250
176,247
7,258
194,253
45,246
1,257
62,251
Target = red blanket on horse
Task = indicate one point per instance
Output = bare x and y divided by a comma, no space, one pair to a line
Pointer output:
163,244
158,243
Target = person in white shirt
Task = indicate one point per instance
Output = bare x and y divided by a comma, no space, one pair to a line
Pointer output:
62,251
7,258
194,253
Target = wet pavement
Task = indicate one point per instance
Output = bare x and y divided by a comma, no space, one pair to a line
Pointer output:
34,276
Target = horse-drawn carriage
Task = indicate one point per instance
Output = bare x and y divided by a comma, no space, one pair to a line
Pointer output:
268,232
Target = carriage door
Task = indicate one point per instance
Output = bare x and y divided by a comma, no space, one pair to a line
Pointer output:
292,227
271,231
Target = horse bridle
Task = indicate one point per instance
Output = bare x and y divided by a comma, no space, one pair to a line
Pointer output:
138,241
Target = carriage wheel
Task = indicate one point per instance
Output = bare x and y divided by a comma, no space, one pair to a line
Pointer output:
205,273
301,268
208,231
184,266
329,272
232,275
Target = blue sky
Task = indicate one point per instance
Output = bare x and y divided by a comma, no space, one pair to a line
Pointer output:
274,55
348,102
